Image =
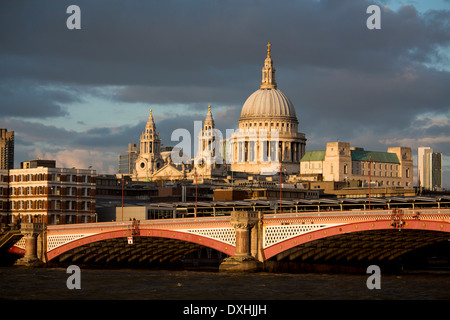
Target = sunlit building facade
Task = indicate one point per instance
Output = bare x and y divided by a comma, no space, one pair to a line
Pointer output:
429,169
52,195
340,162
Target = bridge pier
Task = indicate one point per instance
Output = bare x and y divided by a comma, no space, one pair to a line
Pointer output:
30,233
242,260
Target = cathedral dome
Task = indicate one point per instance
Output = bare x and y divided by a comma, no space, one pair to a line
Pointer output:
268,138
268,103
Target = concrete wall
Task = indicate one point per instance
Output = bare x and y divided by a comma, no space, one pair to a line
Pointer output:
138,213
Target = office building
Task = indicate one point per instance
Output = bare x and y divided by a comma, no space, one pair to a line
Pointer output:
429,169
52,195
340,162
127,161
435,171
6,149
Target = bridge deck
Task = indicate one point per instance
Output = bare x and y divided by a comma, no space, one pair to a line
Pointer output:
278,233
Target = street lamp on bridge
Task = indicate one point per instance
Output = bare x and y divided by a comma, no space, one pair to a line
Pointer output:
281,170
370,176
194,175
122,181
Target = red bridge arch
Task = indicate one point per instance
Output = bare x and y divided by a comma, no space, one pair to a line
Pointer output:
273,250
143,232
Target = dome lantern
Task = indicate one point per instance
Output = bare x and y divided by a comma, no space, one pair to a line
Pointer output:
268,72
268,102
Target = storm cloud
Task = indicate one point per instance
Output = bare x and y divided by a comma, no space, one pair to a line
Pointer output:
372,88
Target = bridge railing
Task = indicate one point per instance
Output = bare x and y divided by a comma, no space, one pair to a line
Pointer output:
356,213
433,213
125,224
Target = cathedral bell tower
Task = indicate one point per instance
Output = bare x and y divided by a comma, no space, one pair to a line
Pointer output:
209,153
207,136
149,160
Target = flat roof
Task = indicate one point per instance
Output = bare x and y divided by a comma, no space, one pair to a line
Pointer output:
320,201
356,155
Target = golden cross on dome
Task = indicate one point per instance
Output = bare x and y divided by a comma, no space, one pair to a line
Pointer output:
268,49
209,108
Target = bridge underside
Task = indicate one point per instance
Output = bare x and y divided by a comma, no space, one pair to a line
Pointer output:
382,247
145,252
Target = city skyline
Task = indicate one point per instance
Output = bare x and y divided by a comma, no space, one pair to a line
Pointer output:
80,96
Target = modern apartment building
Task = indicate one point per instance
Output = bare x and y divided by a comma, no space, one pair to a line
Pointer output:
429,168
4,195
435,182
6,149
52,195
127,161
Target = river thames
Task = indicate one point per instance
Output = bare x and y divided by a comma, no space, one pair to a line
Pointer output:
131,284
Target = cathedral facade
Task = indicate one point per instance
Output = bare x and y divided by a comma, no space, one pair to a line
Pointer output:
266,142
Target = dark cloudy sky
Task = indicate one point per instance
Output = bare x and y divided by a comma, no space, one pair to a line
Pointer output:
80,96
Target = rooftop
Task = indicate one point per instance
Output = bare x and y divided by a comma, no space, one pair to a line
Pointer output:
357,155
376,156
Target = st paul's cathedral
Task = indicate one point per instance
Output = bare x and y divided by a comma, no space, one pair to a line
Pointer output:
266,142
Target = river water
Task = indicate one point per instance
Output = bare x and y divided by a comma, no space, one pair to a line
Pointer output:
131,284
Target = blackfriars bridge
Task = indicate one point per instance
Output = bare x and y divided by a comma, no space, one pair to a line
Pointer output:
247,240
